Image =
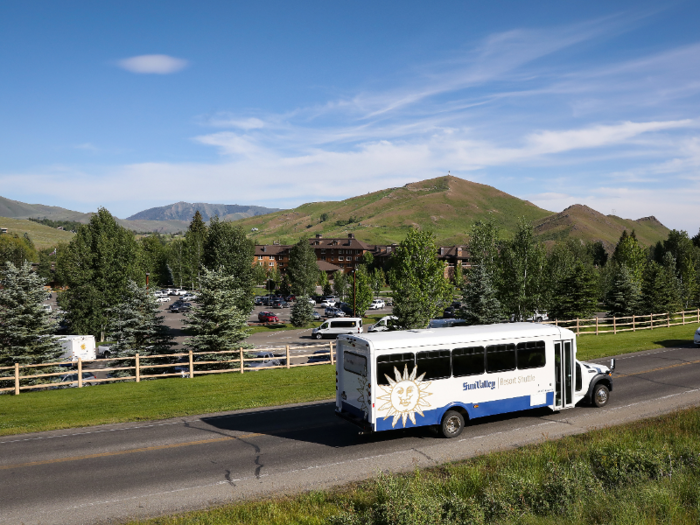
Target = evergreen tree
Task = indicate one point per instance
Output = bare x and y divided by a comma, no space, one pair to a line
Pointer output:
155,259
216,319
687,263
97,266
417,279
598,254
195,238
177,263
630,253
483,245
660,290
25,327
360,290
302,268
480,305
521,281
228,249
578,293
136,325
625,295
324,283
302,312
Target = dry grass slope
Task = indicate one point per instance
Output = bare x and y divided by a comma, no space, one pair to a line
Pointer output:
42,236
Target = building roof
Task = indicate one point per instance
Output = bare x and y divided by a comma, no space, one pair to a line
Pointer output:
271,249
338,242
327,267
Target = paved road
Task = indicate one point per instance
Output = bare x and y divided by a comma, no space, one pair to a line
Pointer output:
145,469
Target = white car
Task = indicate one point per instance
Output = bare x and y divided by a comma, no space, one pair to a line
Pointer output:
165,299
328,303
377,304
382,325
696,339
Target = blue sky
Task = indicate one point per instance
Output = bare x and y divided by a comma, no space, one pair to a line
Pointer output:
131,105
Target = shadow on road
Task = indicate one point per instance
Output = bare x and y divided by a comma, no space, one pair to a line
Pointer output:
319,424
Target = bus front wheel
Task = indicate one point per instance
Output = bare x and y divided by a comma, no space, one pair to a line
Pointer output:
452,424
601,395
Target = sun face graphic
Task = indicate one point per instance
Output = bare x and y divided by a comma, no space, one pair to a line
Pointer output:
404,396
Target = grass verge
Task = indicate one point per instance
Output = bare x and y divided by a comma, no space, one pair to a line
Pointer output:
647,472
122,402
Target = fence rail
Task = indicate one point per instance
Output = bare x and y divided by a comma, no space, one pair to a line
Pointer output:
632,323
143,366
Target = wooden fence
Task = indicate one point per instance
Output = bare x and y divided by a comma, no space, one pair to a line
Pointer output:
614,325
144,367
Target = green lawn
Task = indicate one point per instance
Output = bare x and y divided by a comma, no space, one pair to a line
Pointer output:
122,402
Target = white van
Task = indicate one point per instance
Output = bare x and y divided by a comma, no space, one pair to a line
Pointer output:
334,327
382,325
78,346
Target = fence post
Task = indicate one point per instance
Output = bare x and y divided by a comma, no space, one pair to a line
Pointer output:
683,317
287,349
668,321
596,325
191,365
556,322
80,373
577,326
330,346
241,360
16,379
614,325
633,326
651,319
138,369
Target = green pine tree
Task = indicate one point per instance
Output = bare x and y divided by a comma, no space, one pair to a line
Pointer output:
136,325
361,290
25,327
302,269
302,311
625,295
630,253
195,238
216,319
480,305
417,280
578,293
660,289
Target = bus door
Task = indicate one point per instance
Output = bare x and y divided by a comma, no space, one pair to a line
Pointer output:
563,374
355,394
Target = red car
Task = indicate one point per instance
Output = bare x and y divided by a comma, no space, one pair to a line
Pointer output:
268,317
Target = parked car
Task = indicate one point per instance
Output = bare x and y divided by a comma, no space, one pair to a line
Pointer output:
163,299
268,360
316,316
345,307
329,301
268,317
335,327
185,307
320,356
377,304
290,298
332,311
46,307
312,302
446,323
71,380
258,301
280,303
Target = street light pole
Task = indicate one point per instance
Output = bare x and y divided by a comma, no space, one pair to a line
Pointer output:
354,294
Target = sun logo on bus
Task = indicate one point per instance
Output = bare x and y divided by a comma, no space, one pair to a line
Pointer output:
404,396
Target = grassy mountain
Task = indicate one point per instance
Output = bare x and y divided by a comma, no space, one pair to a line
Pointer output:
184,211
42,236
21,210
446,205
581,222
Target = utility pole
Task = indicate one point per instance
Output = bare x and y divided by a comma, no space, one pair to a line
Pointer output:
354,294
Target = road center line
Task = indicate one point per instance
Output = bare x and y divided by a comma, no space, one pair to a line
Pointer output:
658,369
130,451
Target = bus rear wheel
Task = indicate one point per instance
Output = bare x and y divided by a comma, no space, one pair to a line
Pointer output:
452,424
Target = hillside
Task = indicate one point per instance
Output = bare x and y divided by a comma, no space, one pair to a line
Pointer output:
184,211
446,205
21,210
42,236
581,222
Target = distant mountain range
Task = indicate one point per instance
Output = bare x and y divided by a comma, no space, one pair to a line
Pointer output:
184,211
446,205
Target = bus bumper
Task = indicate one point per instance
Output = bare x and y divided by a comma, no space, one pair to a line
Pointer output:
363,424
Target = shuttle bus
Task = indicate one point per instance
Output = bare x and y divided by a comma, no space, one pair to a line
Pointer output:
444,377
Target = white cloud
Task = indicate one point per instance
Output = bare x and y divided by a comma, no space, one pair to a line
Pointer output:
153,64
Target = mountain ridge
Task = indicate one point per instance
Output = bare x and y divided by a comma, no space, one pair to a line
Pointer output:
184,211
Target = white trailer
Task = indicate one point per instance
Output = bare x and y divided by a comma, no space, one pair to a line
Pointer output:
78,346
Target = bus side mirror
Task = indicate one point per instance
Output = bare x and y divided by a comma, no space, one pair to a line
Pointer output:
612,365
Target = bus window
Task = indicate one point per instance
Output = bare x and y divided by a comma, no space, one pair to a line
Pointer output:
531,355
387,363
500,358
468,361
435,364
357,364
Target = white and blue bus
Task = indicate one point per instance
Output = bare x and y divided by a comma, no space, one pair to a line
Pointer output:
444,377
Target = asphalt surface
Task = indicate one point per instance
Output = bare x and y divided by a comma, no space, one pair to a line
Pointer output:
112,473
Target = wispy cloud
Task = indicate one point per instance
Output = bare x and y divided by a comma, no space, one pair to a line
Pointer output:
153,64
